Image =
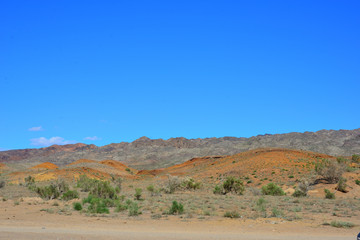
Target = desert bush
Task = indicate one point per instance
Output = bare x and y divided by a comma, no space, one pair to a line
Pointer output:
272,189
232,214
355,158
69,195
77,206
153,191
85,183
150,188
339,224
342,160
138,192
254,191
61,186
97,205
134,209
331,171
342,185
231,184
218,190
2,184
357,182
261,205
328,194
121,207
234,185
103,189
299,193
276,213
303,188
190,184
173,183
30,182
48,192
176,208
117,182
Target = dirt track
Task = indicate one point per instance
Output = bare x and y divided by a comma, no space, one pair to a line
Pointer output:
123,233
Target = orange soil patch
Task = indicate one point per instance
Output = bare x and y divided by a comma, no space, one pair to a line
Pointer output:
46,165
2,165
150,172
258,166
71,174
118,165
82,161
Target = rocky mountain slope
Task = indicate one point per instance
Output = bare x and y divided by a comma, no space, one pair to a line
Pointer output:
145,153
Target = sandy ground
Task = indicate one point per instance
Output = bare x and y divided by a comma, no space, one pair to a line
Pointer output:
25,221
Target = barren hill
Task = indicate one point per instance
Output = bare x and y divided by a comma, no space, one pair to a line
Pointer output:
145,153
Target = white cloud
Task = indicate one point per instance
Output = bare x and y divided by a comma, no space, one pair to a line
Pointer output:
94,138
44,142
36,129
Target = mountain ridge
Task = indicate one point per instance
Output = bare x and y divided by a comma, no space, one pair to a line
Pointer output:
149,153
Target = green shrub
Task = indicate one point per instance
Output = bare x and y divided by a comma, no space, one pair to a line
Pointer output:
231,184
30,182
150,188
276,212
339,224
121,207
261,205
272,189
217,190
176,208
69,195
48,192
342,185
85,183
355,158
134,209
103,189
118,182
232,214
299,193
138,192
97,205
77,206
357,182
341,160
328,194
191,184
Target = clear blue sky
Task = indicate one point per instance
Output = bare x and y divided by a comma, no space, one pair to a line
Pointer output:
111,71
